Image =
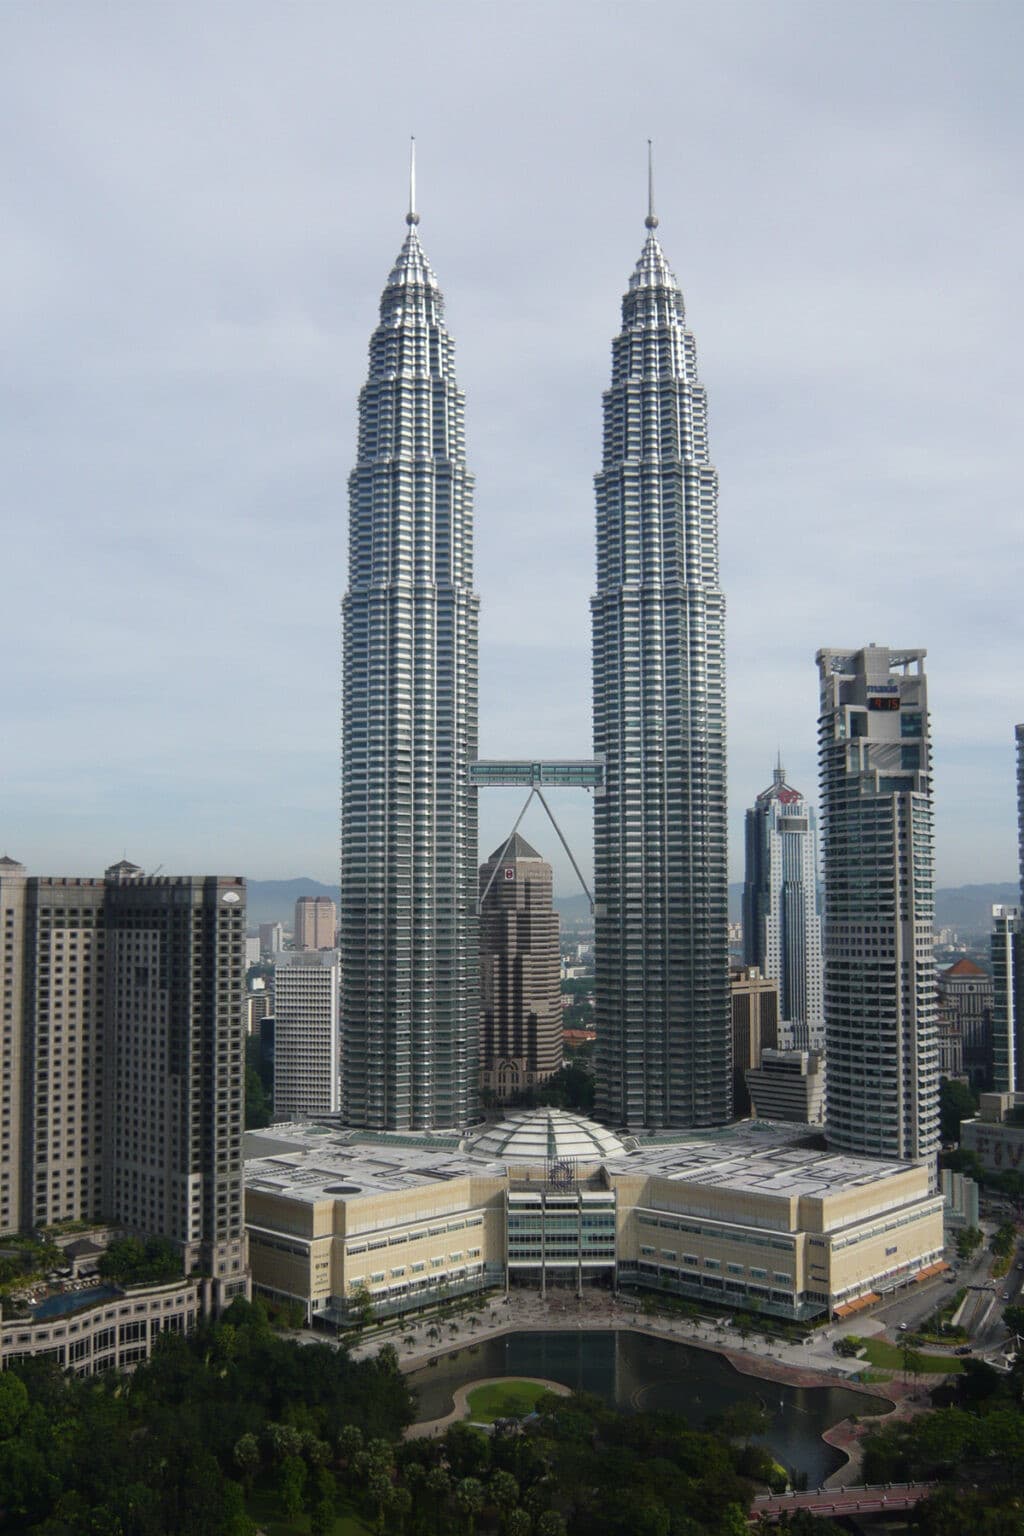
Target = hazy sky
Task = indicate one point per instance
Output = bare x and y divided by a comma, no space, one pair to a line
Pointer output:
199,206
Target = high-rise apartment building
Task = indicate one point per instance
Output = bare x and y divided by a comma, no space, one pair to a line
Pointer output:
880,995
173,1065
408,925
661,917
755,1027
316,923
307,1041
271,938
781,918
520,992
122,1007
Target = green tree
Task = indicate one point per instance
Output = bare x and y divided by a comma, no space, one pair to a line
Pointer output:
246,1455
470,1498
291,1485
13,1403
968,1241
956,1103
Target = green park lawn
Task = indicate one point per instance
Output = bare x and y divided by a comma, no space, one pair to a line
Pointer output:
504,1399
890,1357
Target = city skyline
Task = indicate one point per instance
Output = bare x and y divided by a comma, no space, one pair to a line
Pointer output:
189,253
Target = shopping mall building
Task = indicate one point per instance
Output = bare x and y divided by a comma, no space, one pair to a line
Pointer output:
756,1216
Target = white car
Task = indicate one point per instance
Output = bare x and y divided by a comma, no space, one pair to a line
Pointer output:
903,1327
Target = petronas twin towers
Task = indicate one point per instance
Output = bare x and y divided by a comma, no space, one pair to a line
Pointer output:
408,925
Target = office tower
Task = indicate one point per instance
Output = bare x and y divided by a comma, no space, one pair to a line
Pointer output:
755,1027
788,1085
252,951
271,938
1007,948
408,926
316,922
781,921
13,887
1007,995
63,965
307,1042
173,1066
661,917
520,992
880,998
965,1004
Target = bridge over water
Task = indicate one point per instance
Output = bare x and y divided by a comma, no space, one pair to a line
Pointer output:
834,1503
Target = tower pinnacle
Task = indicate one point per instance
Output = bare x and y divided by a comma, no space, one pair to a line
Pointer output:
651,221
412,217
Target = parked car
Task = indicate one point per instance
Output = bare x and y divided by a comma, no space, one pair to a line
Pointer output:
964,1349
903,1327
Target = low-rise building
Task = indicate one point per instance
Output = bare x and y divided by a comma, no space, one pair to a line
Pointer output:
750,1217
103,1329
996,1134
789,1085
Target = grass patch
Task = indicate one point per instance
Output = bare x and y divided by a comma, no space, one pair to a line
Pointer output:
506,1399
890,1357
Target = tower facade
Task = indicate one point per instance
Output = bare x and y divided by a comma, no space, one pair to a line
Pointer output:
661,913
880,993
520,991
123,1026
173,1065
307,1048
316,920
781,921
407,922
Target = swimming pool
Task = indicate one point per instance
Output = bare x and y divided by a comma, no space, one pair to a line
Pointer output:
72,1301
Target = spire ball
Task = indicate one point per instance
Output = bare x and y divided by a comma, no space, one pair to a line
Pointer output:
414,218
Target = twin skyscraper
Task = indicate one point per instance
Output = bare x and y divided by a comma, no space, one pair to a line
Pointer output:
408,919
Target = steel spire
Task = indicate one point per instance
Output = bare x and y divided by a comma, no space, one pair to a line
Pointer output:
412,217
651,220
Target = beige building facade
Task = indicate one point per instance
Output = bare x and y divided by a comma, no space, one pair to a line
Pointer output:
750,1218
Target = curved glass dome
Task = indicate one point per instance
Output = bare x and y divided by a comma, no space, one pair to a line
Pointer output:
537,1135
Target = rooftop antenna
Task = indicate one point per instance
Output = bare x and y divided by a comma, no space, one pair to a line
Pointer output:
651,220
412,217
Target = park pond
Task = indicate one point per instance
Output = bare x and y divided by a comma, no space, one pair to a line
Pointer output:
638,1372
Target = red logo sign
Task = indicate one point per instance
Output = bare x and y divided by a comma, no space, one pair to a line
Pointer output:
510,873
789,796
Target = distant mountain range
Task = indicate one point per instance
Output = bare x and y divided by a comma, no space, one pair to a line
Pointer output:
964,907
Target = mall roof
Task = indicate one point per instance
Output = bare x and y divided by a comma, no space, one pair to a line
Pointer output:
310,1161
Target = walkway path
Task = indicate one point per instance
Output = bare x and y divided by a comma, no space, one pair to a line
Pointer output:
461,1396
835,1503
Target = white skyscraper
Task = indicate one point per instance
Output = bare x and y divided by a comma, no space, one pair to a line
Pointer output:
307,1039
407,921
661,943
880,998
781,920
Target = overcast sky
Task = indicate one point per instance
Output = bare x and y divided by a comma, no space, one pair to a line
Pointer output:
199,206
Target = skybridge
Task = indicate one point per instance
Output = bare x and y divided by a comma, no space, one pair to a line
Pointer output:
536,776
